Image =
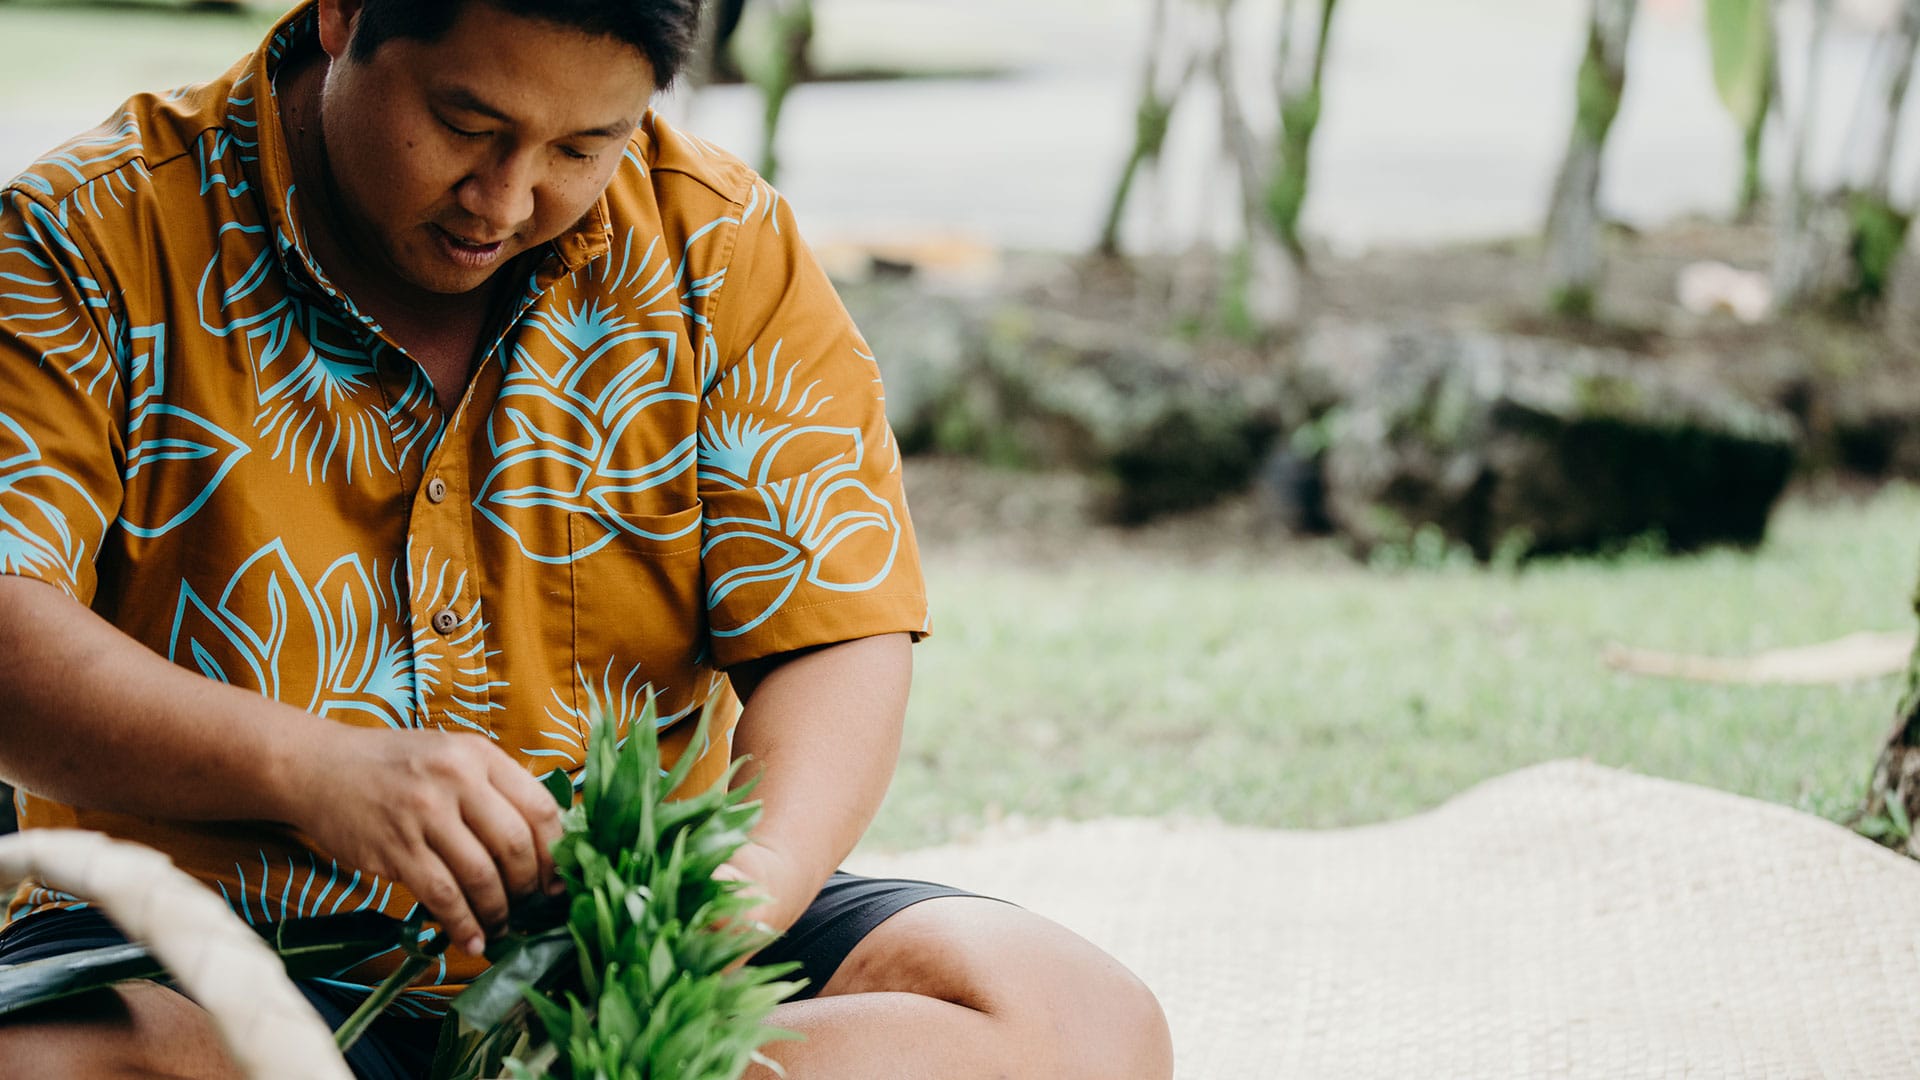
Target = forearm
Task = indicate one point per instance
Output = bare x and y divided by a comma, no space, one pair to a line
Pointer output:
90,717
822,730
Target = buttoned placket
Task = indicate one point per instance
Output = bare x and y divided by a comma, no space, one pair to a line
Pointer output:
442,516
440,519
439,526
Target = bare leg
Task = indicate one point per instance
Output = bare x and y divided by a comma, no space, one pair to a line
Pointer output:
139,1029
960,987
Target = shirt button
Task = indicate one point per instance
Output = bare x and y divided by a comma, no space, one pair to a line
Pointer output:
436,490
446,620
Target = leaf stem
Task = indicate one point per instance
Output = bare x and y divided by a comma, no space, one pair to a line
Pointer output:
382,996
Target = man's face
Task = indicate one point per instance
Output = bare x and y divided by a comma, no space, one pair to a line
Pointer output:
449,158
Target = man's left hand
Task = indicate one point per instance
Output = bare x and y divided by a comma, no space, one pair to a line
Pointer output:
781,888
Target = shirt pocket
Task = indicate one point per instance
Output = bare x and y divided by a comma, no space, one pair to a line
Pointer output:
639,613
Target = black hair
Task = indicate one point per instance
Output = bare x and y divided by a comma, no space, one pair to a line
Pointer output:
665,30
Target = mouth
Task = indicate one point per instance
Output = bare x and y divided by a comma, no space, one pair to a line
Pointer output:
467,251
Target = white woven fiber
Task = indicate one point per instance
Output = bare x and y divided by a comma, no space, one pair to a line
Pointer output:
1565,921
268,1027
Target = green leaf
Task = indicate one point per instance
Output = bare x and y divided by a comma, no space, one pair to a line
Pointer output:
310,948
1897,810
363,1017
519,963
695,747
560,786
39,981
329,944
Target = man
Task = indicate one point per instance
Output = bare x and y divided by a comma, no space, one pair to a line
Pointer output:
377,415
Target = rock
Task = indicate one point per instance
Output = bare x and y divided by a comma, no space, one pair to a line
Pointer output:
922,343
1167,431
1869,423
1025,386
1525,445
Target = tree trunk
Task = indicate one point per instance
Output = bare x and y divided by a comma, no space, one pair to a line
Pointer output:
1893,795
1573,222
1271,289
1299,118
1902,40
1743,42
1878,227
1797,258
785,68
1152,118
1753,143
1267,288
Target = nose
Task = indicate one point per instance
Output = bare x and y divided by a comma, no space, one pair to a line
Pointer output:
500,193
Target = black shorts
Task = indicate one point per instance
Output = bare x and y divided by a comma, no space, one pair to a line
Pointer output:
398,1048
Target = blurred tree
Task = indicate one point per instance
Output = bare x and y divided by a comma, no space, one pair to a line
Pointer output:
1270,169
1573,222
1836,250
1160,93
769,41
1797,254
1273,172
1878,227
1746,73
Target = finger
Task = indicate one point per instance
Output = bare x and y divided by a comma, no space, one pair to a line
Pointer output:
475,873
537,808
508,837
434,886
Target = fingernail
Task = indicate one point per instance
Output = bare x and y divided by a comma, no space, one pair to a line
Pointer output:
555,888
477,945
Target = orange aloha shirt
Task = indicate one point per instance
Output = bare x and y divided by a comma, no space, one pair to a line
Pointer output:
674,459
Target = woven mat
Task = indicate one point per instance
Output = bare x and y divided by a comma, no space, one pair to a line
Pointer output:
1562,921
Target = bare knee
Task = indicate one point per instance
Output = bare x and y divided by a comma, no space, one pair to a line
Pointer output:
132,1030
1069,1010
1115,1029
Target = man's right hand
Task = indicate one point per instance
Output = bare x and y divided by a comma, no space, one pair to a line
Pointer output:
452,817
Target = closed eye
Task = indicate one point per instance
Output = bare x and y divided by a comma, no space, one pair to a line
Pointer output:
462,132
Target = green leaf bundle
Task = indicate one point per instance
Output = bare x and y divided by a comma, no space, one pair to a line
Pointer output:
627,975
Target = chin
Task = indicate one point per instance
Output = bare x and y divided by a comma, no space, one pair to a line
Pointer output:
452,284
433,276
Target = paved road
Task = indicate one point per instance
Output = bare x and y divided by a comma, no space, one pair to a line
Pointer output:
1442,120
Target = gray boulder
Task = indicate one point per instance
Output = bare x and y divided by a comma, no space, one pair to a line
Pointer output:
1530,446
923,343
1026,386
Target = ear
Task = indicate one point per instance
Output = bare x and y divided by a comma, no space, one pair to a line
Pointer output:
336,26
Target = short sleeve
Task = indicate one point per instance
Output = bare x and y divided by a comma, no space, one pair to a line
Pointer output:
806,538
59,443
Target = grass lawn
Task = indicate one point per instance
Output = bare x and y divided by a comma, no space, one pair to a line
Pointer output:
1312,691
104,53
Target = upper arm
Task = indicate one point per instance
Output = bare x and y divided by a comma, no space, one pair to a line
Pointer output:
806,537
60,483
